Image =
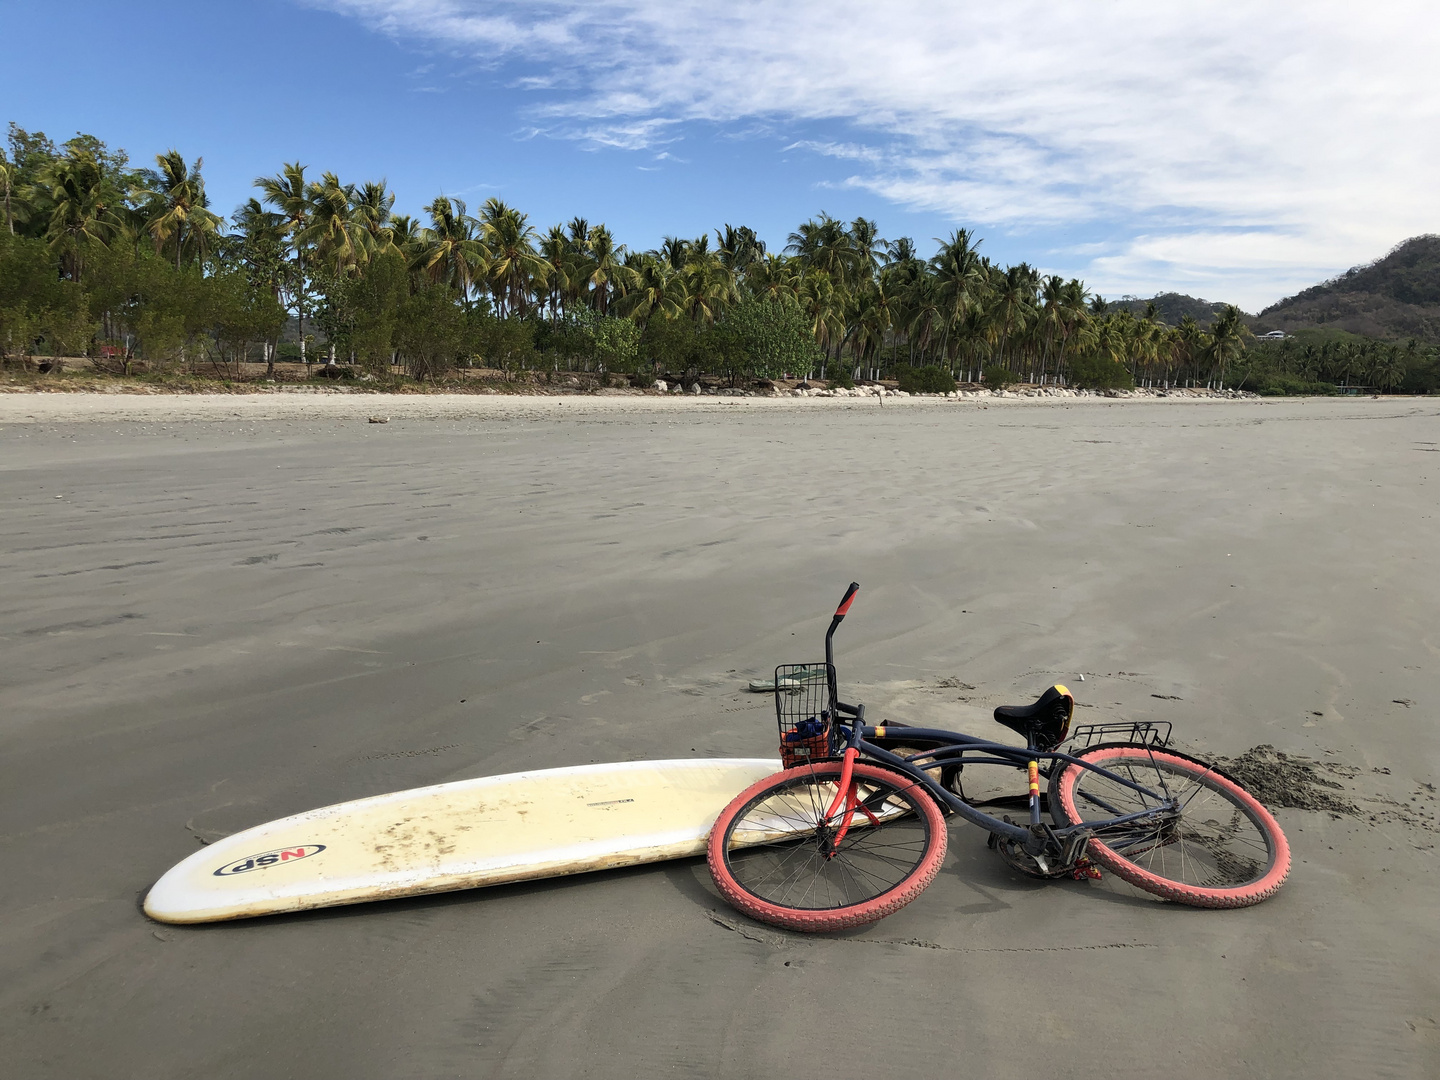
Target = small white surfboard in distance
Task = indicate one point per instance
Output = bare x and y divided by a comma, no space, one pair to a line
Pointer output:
461,835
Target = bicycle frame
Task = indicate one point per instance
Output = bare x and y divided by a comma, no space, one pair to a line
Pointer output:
1037,837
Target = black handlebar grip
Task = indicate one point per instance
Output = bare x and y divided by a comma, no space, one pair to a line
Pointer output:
844,607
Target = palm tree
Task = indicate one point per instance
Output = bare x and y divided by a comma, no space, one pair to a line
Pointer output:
1075,316
339,236
739,248
607,269
653,293
1145,345
774,277
868,248
371,207
579,233
8,176
450,250
959,279
1227,341
900,253
406,237
287,193
260,241
978,333
923,313
1387,367
85,206
177,209
1191,343
513,262
674,251
1014,302
825,245
259,238
557,251
873,316
706,287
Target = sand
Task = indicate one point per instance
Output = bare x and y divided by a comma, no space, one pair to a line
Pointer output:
219,611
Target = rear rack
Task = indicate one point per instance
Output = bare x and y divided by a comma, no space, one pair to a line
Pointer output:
1154,733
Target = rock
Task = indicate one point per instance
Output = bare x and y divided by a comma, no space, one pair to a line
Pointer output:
661,386
379,419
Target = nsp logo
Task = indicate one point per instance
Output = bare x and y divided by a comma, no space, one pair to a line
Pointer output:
269,858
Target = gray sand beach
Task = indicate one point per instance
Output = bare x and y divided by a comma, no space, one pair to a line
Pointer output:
220,611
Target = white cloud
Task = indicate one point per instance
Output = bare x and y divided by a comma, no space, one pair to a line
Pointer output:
1248,142
850,151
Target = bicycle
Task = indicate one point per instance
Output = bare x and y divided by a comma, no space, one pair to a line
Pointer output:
833,841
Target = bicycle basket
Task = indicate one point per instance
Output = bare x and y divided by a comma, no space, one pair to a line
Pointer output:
805,712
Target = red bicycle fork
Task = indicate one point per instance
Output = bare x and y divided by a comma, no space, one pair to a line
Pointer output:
845,795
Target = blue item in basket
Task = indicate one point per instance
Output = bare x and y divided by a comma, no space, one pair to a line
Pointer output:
812,728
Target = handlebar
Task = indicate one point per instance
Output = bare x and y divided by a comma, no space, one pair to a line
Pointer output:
840,613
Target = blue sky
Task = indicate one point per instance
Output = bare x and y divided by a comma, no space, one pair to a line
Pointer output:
1237,151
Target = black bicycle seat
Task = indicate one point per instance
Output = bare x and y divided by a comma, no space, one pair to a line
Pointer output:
1045,723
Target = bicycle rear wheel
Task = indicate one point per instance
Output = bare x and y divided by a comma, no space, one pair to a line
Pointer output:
1219,849
773,854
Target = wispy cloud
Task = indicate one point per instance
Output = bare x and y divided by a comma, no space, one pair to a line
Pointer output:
1260,139
848,151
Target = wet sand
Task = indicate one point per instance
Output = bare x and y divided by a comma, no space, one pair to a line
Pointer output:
215,618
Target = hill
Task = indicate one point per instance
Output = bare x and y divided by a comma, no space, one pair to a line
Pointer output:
1397,296
1171,307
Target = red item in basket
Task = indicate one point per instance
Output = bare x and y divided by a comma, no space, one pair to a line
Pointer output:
798,749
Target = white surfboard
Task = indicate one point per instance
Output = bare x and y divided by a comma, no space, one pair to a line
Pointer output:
461,835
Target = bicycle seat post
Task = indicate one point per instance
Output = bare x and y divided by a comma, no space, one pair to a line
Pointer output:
1034,793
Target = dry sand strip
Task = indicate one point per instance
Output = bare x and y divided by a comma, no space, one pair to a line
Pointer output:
321,405
211,623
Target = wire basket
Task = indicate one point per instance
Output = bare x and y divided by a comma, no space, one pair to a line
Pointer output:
805,712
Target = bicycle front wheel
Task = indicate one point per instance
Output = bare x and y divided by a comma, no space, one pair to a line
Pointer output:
1218,849
775,855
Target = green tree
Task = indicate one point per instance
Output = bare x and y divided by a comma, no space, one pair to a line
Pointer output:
379,297
674,347
1098,371
430,331
763,338
9,175
1227,342
337,235
289,194
240,312
960,280
930,380
84,202
176,210
38,310
452,253
607,273
514,264
617,344
507,343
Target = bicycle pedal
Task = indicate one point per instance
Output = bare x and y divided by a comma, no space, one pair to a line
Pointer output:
1085,870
